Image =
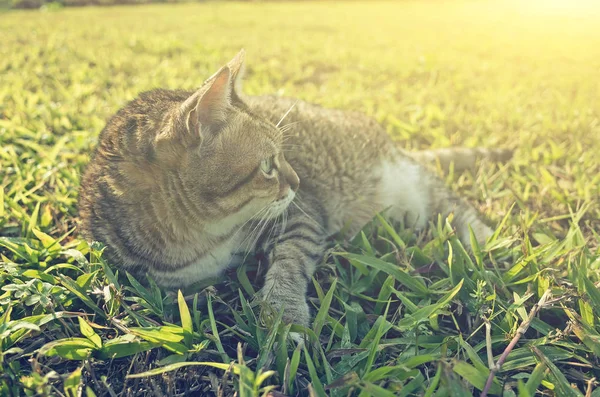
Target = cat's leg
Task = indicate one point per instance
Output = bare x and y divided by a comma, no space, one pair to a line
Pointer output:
444,201
293,256
413,194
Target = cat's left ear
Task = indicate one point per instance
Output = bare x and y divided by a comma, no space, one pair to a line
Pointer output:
237,67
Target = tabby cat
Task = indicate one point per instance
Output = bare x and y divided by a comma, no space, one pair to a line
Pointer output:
183,184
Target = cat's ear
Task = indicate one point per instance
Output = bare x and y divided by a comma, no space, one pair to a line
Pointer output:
207,106
237,67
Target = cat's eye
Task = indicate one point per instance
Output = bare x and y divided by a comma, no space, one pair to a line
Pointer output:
266,166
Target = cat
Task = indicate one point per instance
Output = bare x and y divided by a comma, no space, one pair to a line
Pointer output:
182,184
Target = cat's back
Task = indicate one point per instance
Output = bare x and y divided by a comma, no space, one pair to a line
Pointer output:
342,133
336,154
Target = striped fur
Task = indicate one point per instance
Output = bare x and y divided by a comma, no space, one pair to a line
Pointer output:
184,184
459,158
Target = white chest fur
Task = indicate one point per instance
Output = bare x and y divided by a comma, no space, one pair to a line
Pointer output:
208,266
405,192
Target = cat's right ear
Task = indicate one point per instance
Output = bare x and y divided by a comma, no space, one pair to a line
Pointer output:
237,67
207,106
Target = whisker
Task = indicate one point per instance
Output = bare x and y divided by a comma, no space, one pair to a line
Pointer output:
239,229
260,233
258,214
264,223
308,216
249,219
250,235
286,113
273,227
288,126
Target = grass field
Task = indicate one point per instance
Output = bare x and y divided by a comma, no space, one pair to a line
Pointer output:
395,314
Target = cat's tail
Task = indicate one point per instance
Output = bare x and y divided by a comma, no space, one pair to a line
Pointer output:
460,158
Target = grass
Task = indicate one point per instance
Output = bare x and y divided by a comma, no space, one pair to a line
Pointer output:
395,313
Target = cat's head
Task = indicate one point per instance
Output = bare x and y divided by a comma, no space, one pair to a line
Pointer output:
230,161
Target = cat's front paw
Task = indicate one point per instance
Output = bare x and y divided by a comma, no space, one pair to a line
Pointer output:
295,309
298,313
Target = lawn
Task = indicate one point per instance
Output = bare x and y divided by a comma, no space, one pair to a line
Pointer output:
395,313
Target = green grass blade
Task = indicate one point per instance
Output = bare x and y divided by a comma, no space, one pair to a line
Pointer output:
411,282
173,367
215,332
88,332
186,320
314,377
321,316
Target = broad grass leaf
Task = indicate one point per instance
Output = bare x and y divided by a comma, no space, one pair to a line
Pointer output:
72,383
145,294
390,230
535,379
314,377
215,332
411,387
522,389
281,352
21,329
522,357
372,334
587,335
563,387
126,345
434,383
89,392
172,359
593,293
85,280
20,248
163,337
398,372
78,256
586,312
384,294
475,376
262,377
34,273
47,241
423,314
421,359
353,310
33,219
248,312
370,389
267,347
172,367
110,275
244,281
366,244
292,369
88,332
72,286
321,316
472,354
414,283
186,320
70,348
382,328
